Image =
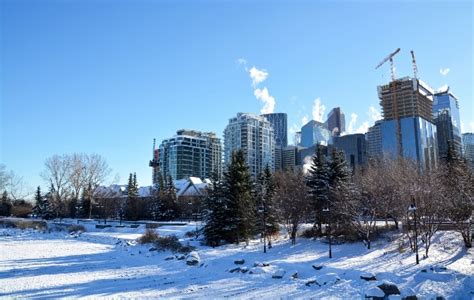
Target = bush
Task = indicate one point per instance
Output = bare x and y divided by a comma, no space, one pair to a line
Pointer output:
76,228
20,211
25,224
149,236
309,233
152,225
190,234
172,244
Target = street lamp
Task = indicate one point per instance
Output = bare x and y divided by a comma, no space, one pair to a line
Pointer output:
327,210
412,208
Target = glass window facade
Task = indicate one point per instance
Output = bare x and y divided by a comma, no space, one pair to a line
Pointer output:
448,123
313,133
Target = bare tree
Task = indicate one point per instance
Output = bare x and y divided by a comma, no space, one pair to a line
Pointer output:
291,199
57,174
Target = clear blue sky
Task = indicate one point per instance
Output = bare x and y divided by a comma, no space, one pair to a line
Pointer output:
107,77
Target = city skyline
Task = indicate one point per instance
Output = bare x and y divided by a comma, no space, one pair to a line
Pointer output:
73,101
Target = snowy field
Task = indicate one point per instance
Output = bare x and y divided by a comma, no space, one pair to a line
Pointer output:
109,263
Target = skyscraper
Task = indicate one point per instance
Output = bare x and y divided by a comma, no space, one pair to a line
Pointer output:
280,128
407,129
254,135
336,122
468,148
374,140
447,121
190,153
354,147
313,133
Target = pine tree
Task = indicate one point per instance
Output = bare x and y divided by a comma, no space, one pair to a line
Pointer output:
85,202
169,202
318,184
240,203
132,207
215,213
5,205
340,187
38,208
265,191
49,210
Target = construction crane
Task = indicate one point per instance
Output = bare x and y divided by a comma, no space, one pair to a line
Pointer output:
393,89
392,67
415,68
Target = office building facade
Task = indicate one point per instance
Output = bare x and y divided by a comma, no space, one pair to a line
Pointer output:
447,121
336,122
354,147
468,148
279,121
315,133
374,141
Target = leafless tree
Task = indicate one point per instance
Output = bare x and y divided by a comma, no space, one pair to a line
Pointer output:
291,199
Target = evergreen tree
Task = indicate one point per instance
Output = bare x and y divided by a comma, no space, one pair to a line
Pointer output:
132,207
169,202
215,213
85,202
5,205
240,203
340,188
49,210
266,213
38,208
318,183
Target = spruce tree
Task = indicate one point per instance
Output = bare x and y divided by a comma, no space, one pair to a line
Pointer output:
215,213
340,186
5,205
240,203
49,210
318,183
132,207
38,208
266,213
169,202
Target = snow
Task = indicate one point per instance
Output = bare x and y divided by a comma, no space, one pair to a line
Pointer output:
109,263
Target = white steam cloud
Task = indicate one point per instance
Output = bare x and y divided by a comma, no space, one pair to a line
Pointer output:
444,71
269,101
257,76
352,123
374,114
318,110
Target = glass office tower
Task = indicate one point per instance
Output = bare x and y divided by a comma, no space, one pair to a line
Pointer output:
447,121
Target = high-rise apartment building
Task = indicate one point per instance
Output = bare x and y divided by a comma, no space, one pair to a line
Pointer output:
336,122
447,121
408,129
253,135
313,133
190,154
468,148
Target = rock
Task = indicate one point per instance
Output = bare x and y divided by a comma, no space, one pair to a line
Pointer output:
278,274
413,297
234,270
438,268
408,294
368,276
239,261
329,278
311,282
261,264
244,270
394,297
374,293
317,268
152,249
180,257
389,288
193,259
294,274
169,258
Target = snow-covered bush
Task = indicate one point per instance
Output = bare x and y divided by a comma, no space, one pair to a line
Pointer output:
76,228
149,236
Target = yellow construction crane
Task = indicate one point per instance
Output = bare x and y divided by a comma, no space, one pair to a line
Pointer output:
393,88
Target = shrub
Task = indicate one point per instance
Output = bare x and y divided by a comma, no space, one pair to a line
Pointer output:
190,234
76,228
25,224
149,236
309,233
172,244
20,211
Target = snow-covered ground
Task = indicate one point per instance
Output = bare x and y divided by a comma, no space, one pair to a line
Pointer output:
109,263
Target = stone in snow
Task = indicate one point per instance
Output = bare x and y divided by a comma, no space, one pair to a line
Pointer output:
169,258
279,274
311,282
239,261
374,293
256,270
193,259
368,276
261,264
317,268
389,288
294,274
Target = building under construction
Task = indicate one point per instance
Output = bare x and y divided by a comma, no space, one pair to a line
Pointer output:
408,129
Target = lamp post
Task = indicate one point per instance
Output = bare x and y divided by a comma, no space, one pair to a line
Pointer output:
327,210
412,208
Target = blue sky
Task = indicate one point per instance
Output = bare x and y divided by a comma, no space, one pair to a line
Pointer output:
107,77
